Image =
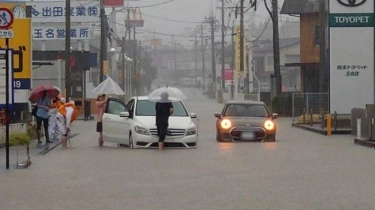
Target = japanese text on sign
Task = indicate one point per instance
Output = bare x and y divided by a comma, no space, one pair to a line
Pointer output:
53,33
55,11
351,70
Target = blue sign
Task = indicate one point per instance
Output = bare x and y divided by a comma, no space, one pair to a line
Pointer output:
21,84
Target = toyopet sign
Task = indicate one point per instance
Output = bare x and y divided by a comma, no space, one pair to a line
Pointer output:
351,43
54,11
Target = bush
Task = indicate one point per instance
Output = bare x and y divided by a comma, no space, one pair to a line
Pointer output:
17,139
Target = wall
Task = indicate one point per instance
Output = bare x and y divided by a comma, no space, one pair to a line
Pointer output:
309,51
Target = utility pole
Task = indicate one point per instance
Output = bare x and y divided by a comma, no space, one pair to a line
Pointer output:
203,59
242,42
195,55
276,47
322,48
103,38
123,62
212,21
68,90
174,54
222,49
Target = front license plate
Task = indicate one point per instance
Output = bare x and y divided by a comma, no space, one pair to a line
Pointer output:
247,136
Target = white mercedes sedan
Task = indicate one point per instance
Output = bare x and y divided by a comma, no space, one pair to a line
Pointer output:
133,124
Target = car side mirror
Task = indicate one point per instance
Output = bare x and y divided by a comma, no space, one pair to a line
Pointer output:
275,115
217,114
193,115
124,114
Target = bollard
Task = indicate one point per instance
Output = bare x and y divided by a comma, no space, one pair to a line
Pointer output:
335,120
329,124
359,128
311,117
304,116
322,116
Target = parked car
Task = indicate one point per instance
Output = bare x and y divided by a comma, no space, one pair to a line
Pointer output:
245,120
133,124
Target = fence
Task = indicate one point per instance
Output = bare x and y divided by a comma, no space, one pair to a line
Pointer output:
309,103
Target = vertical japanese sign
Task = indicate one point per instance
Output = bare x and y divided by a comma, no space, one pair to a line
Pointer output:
351,41
237,53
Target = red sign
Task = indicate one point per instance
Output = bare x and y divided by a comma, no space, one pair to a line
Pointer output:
6,18
114,3
228,74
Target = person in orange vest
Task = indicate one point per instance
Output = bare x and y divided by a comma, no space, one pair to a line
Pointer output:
52,128
66,114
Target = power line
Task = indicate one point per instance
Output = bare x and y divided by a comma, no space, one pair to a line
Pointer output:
154,5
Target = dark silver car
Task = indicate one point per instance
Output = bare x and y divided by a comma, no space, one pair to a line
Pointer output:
245,121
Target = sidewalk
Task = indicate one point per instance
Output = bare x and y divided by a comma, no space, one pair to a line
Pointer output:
35,150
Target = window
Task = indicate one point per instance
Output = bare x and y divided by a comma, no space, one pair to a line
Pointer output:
147,108
270,60
292,58
246,110
115,107
317,35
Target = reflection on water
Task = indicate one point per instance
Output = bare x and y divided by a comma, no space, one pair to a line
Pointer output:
226,146
269,145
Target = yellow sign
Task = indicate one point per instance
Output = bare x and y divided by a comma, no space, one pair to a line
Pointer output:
105,67
119,72
21,45
237,53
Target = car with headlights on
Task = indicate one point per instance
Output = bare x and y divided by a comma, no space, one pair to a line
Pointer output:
133,124
245,121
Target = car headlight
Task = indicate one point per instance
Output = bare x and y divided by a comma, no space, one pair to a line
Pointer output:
141,130
226,124
269,125
191,131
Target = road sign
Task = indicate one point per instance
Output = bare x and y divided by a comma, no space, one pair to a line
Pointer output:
3,78
7,33
6,18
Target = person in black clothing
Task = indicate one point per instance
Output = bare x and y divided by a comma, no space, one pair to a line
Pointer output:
164,109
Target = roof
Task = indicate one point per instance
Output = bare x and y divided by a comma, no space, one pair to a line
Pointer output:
293,7
264,46
246,102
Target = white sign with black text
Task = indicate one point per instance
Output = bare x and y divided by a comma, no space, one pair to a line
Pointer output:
54,11
53,33
351,44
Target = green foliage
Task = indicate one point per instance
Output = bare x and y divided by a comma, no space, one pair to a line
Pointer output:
17,139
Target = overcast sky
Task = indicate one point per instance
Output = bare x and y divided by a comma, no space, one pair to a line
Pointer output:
163,18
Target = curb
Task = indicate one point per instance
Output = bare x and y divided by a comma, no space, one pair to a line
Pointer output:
320,131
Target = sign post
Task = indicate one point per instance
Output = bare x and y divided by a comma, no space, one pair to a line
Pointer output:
6,20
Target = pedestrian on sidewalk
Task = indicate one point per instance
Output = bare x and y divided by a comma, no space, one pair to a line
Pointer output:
66,114
52,127
101,102
164,108
42,116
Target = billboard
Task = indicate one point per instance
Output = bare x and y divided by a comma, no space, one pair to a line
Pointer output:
351,42
22,51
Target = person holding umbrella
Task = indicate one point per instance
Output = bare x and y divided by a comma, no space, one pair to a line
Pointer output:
100,106
164,108
42,116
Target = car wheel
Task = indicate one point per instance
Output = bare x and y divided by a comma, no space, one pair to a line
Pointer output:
131,143
218,138
272,138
